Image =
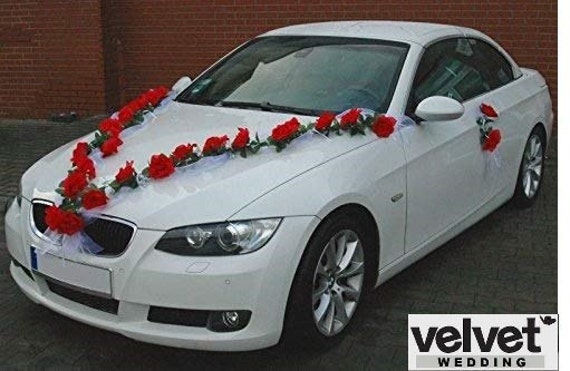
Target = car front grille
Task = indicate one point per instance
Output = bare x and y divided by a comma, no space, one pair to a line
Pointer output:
111,235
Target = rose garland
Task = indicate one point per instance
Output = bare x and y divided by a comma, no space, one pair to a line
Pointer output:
490,138
79,193
75,189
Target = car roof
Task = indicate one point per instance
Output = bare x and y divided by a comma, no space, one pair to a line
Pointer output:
416,32
419,33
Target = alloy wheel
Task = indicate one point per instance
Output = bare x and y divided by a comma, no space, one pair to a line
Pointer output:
338,282
532,166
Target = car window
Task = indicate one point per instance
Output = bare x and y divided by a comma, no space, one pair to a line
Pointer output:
316,73
459,68
492,64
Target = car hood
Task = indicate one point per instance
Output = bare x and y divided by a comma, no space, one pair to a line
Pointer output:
211,190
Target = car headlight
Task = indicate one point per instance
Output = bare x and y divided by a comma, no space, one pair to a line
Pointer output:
228,238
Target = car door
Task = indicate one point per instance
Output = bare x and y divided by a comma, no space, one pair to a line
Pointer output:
448,174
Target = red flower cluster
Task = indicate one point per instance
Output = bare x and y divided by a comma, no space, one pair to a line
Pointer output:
183,151
143,101
80,159
160,166
86,166
488,111
110,146
126,113
286,130
154,96
80,152
384,126
241,140
75,182
125,174
114,125
350,118
492,140
324,121
64,222
214,144
111,126
94,198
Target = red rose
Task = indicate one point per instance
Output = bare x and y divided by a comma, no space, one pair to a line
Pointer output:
86,166
163,90
110,146
71,224
488,111
161,166
214,145
126,114
75,182
140,102
492,140
62,221
154,96
94,198
286,130
384,126
81,151
324,121
54,217
113,127
125,174
350,118
241,140
183,151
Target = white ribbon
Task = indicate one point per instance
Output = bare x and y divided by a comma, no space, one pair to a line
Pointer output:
67,247
402,123
493,163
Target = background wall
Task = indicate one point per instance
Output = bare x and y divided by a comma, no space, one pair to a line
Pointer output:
93,55
50,57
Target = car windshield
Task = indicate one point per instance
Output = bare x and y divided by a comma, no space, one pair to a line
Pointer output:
305,75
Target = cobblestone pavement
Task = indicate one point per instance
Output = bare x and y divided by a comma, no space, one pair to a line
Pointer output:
506,263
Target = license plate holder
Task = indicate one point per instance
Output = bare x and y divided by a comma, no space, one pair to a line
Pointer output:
81,275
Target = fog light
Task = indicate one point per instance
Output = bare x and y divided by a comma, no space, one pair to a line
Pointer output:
229,320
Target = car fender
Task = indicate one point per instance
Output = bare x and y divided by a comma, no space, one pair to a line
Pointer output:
372,176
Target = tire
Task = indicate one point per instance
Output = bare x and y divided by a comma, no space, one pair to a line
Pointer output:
319,323
531,170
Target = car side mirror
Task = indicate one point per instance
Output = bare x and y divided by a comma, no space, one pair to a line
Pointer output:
439,109
181,84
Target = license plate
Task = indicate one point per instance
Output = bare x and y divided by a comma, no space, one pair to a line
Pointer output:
73,273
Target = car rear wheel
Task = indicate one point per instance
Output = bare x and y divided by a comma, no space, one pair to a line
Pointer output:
331,281
531,170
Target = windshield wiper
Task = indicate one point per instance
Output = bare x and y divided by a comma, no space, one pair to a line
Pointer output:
266,106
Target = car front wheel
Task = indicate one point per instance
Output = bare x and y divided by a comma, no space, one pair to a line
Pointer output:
330,282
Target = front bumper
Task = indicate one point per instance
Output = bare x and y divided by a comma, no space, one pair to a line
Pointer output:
143,277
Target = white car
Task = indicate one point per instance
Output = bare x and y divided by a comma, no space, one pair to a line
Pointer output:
424,129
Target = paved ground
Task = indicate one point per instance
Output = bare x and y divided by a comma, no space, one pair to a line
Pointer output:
506,263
